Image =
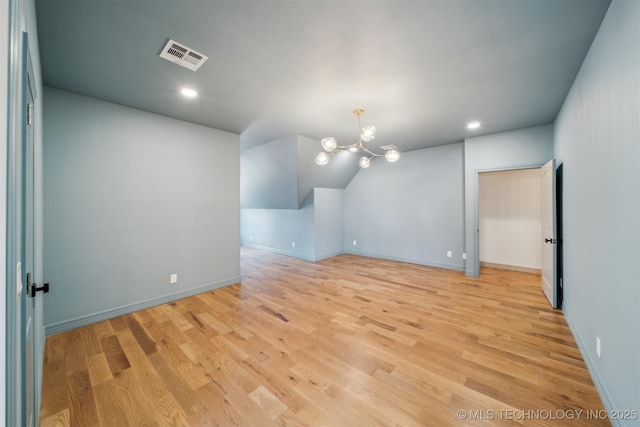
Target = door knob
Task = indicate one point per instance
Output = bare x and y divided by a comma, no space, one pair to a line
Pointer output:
32,288
550,240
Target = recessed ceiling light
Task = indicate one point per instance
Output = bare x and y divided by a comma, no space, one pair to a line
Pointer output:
473,125
189,93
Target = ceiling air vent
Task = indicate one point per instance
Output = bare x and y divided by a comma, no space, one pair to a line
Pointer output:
182,55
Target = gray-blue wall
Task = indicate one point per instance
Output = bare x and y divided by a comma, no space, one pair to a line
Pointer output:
130,198
597,139
316,228
269,175
328,222
507,150
277,230
411,210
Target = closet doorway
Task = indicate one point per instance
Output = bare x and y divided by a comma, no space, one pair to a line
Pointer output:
509,220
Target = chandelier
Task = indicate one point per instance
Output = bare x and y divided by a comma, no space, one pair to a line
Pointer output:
365,134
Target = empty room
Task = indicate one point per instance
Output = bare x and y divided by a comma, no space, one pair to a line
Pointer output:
320,213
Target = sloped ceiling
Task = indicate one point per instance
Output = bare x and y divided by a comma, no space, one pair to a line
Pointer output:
420,69
282,174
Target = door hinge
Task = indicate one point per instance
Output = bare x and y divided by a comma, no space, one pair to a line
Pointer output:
19,278
30,114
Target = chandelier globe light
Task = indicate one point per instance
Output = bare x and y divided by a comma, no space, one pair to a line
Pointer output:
365,134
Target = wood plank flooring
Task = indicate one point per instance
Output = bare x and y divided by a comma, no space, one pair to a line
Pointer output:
348,341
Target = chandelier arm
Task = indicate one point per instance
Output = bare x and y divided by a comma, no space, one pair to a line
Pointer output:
341,147
370,152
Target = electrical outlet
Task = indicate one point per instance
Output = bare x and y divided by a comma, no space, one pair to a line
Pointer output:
464,255
173,278
293,244
598,348
355,243
449,254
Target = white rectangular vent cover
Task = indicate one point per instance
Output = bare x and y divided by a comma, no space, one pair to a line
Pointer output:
182,55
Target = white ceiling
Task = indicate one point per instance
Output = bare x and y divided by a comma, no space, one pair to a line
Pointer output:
420,69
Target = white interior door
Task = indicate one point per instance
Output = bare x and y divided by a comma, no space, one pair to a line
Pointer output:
548,220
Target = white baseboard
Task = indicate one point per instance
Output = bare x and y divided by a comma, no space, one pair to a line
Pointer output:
279,251
510,267
427,263
130,308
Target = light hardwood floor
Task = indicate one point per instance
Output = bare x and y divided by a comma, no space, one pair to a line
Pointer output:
348,341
